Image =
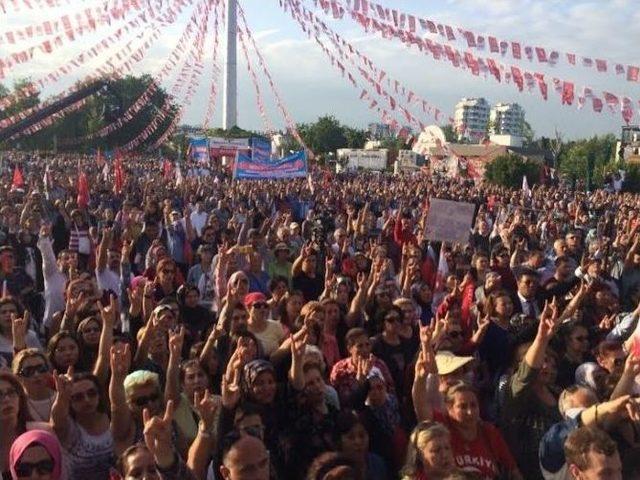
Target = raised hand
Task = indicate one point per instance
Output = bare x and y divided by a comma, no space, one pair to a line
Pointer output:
19,326
176,341
206,406
64,384
230,393
108,313
298,346
120,360
158,435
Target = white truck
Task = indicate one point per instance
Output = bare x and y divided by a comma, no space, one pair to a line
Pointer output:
351,159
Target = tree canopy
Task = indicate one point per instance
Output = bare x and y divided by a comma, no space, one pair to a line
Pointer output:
99,111
508,170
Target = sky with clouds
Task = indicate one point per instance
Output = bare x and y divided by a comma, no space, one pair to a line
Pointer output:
310,86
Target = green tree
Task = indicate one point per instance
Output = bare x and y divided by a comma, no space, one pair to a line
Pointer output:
508,170
527,132
588,159
356,137
449,133
324,136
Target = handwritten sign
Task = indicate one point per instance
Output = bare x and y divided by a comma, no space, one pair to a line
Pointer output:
449,221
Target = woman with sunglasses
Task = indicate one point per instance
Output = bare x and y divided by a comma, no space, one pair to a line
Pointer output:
36,454
32,369
391,348
80,421
88,335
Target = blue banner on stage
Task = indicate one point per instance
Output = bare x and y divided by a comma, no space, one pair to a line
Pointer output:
293,166
260,149
199,149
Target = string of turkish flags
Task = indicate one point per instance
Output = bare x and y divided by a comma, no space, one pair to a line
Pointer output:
373,104
172,58
50,119
195,53
93,19
517,50
256,85
103,45
40,4
291,126
193,84
213,89
137,55
510,73
70,25
379,75
127,65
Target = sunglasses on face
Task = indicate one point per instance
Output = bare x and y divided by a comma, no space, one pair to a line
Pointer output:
28,372
145,400
43,467
89,395
260,305
393,319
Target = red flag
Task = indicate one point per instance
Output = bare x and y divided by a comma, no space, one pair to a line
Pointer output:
472,63
597,104
542,55
611,100
83,191
493,45
167,169
515,48
567,93
633,73
118,174
18,179
493,68
517,77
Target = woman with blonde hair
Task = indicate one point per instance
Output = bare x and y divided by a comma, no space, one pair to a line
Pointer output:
429,453
31,368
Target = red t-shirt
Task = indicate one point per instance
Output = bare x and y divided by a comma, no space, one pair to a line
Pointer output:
488,454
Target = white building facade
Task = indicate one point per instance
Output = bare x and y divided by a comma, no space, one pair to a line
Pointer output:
507,119
471,118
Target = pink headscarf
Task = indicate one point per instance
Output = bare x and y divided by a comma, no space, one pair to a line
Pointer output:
36,437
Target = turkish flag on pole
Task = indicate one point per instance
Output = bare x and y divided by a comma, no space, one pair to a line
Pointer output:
83,191
118,171
167,169
18,179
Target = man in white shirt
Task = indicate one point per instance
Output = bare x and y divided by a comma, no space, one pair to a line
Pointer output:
55,273
199,218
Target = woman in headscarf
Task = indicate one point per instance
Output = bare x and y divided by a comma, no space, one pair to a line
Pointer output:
37,451
195,317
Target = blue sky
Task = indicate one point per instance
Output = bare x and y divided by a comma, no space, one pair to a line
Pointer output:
311,87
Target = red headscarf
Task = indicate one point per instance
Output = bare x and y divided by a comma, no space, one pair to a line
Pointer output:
36,437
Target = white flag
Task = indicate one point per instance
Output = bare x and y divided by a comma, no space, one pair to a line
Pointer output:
525,187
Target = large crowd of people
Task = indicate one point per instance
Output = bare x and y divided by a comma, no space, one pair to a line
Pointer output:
186,325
